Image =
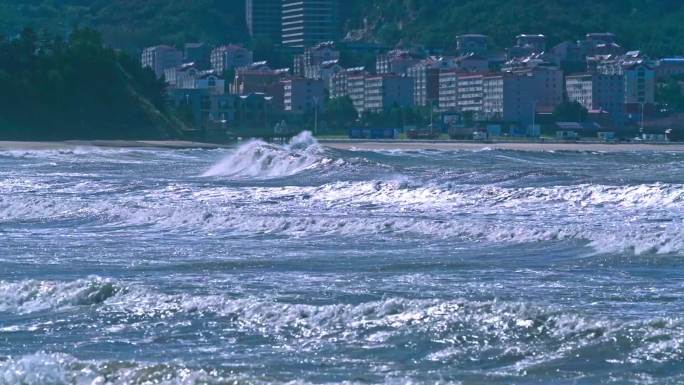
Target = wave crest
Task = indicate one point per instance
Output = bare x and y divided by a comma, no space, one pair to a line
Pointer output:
258,159
34,296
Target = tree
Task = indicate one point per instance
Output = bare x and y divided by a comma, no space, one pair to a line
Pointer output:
340,113
79,89
671,94
570,112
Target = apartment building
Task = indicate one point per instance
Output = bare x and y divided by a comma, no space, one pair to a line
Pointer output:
307,22
340,81
516,96
160,58
639,76
384,92
229,57
395,62
356,90
599,93
472,43
313,57
264,19
302,95
470,93
448,90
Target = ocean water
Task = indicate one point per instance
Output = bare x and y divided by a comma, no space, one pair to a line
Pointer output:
299,264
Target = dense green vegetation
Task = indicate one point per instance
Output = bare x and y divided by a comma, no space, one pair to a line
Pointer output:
131,24
652,25
671,94
78,89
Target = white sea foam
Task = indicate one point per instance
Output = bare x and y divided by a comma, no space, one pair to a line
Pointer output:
464,329
63,369
34,296
642,219
258,159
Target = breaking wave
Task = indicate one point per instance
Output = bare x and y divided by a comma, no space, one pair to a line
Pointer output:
258,159
63,369
641,219
34,296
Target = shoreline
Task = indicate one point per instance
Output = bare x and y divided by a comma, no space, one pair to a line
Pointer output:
359,145
71,144
416,145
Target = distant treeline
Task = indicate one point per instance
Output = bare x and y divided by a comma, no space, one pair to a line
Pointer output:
650,25
52,89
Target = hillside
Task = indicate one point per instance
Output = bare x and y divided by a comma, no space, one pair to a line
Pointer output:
653,25
53,90
131,24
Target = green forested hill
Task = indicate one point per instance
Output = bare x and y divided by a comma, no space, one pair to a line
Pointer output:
131,24
653,25
51,89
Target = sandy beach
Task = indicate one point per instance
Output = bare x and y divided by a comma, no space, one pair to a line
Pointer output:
367,145
171,144
516,146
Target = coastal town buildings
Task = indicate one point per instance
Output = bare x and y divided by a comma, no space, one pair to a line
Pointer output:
197,53
396,62
261,79
526,45
425,75
254,110
160,58
470,94
303,95
264,19
383,92
326,71
514,90
448,90
340,85
472,43
308,22
666,68
517,96
208,110
307,64
599,93
229,57
356,89
426,84
472,62
639,84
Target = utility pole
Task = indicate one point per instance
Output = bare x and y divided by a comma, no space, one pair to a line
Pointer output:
534,114
315,115
432,121
641,129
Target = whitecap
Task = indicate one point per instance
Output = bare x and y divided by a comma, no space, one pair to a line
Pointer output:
258,159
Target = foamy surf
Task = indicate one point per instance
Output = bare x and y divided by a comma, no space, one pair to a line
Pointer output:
258,159
524,336
638,219
297,264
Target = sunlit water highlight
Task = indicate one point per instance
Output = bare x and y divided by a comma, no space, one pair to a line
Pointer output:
299,264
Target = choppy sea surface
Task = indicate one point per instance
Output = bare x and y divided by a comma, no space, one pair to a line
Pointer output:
298,264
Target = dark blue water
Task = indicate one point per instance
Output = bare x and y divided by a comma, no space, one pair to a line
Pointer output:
300,264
